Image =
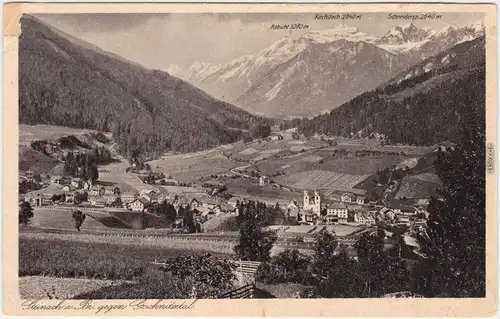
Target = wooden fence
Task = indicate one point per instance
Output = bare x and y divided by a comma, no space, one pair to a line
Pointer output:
245,292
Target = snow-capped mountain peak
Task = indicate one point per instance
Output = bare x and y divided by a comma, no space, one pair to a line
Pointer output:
340,32
406,33
330,61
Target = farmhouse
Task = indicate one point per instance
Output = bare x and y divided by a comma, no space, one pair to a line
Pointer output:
363,218
68,188
139,204
70,198
276,137
76,182
30,175
360,200
97,190
97,201
234,201
402,219
55,179
87,185
293,210
264,180
40,200
387,213
128,197
195,203
399,208
111,191
109,198
347,198
309,217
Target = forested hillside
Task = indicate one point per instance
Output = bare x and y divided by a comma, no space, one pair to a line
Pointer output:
65,81
422,108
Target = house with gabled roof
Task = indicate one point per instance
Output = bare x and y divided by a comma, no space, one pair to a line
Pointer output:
195,203
127,197
140,204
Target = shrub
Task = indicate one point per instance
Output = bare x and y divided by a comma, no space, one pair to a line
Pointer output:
287,266
212,276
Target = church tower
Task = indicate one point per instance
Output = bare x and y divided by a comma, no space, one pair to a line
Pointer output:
306,200
317,203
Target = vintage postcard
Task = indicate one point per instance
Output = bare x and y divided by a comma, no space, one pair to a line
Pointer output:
250,160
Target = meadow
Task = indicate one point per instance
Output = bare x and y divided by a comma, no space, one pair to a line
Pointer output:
30,133
105,260
419,186
52,218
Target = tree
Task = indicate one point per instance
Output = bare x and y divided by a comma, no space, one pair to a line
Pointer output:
287,266
79,218
25,213
93,173
379,273
261,131
325,248
255,244
117,202
455,241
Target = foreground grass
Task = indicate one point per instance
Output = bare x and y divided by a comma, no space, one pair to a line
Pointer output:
39,287
67,259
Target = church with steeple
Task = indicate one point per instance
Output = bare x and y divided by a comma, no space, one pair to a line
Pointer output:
312,203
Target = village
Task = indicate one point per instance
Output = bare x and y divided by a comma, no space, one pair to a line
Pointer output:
312,209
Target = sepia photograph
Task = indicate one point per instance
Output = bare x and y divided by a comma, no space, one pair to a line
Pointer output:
251,155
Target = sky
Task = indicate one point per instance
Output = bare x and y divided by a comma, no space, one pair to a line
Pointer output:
158,41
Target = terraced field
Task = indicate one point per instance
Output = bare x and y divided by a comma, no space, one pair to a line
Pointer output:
319,179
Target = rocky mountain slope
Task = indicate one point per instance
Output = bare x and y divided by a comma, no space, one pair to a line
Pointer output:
320,69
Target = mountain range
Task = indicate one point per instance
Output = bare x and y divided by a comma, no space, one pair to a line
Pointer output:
320,70
66,81
438,99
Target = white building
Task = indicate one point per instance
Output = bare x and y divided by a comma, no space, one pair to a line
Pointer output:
128,197
139,204
364,218
347,198
264,180
337,210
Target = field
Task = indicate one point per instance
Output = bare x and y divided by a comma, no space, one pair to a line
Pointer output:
37,162
419,186
129,239
61,219
30,133
250,189
193,167
56,257
56,266
318,179
340,230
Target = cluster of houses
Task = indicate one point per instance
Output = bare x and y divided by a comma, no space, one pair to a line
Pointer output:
352,209
93,195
